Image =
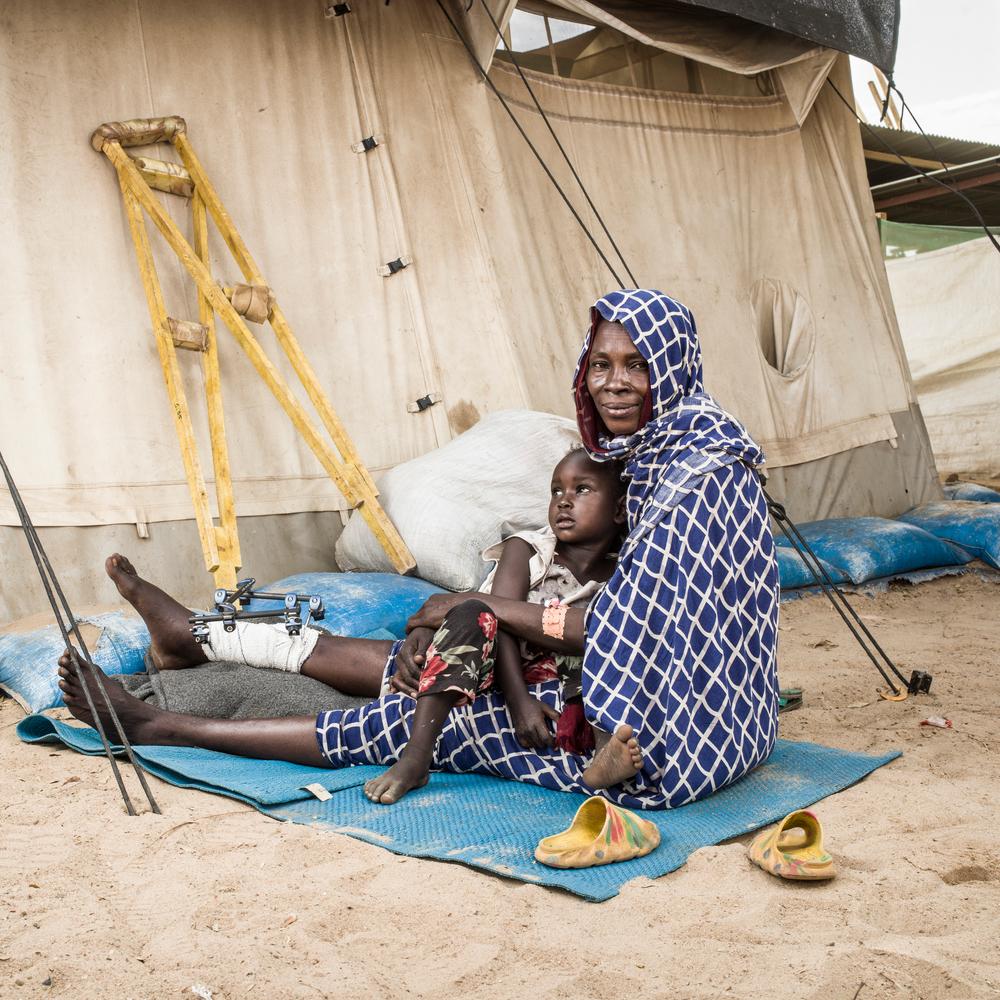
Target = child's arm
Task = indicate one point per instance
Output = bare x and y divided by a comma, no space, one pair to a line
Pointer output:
513,580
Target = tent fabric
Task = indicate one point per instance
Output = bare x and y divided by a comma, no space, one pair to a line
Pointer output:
729,43
704,36
720,192
868,29
946,303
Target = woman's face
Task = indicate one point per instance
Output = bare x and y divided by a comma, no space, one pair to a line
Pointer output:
617,379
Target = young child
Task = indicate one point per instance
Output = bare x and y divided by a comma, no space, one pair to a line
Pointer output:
563,565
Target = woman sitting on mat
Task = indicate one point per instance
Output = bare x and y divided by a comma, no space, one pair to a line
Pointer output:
561,567
678,648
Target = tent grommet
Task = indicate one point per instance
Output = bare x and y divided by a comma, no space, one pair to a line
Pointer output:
423,403
395,266
368,144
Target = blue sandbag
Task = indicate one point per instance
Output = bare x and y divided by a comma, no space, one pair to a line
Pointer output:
366,605
28,660
972,525
871,548
794,573
971,491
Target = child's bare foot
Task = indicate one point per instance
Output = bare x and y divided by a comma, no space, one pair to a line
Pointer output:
402,777
173,647
618,760
138,719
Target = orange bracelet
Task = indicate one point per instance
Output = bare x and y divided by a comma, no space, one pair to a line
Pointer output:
554,620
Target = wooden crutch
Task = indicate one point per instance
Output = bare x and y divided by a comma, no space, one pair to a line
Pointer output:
137,177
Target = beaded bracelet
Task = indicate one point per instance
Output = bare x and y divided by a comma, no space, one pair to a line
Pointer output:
554,620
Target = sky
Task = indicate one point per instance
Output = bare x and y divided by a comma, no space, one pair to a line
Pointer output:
946,67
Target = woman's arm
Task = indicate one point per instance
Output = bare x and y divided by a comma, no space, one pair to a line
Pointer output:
517,617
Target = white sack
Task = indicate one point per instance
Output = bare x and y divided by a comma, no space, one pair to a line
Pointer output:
451,504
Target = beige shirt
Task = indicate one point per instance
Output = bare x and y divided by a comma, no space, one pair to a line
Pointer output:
549,581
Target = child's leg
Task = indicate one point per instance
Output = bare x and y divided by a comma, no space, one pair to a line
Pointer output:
414,765
459,667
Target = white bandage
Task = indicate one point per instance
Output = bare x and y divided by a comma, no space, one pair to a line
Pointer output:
259,645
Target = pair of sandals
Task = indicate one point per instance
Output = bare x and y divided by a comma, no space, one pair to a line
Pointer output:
602,833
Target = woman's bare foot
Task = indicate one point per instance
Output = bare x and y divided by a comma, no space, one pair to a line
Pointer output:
405,775
138,719
173,647
618,760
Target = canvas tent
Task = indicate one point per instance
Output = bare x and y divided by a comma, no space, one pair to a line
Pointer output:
741,190
948,296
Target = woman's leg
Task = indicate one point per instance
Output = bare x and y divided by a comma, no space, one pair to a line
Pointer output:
291,739
476,738
353,666
480,738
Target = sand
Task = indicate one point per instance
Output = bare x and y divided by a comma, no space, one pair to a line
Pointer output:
213,897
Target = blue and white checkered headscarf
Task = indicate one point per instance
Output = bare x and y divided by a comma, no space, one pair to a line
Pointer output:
681,641
685,433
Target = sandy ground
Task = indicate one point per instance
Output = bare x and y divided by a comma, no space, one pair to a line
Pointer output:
212,894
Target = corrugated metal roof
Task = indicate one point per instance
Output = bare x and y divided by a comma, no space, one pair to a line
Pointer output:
944,209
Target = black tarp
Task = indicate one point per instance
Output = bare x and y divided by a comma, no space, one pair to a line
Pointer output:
868,29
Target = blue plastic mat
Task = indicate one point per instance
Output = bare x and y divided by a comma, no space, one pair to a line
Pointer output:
486,822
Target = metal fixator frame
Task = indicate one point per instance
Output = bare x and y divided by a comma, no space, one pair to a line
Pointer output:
230,607
336,451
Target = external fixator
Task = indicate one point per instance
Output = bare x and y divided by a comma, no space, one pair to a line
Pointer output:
230,607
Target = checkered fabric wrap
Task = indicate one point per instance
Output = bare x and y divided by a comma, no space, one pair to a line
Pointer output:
681,642
477,738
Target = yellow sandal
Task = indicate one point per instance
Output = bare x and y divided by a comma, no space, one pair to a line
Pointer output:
599,834
793,849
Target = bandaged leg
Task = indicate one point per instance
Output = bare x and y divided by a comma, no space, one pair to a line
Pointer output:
259,645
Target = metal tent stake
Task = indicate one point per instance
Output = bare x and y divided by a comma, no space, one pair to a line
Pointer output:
919,682
68,624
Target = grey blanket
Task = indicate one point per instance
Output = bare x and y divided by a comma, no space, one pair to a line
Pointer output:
235,691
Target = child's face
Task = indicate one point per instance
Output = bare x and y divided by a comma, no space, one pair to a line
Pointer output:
585,506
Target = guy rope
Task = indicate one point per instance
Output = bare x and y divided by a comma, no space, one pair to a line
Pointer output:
253,301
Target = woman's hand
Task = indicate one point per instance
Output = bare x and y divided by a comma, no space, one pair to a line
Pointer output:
530,726
432,613
410,661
